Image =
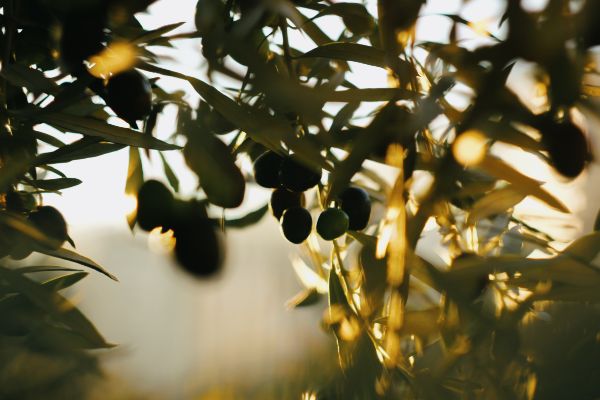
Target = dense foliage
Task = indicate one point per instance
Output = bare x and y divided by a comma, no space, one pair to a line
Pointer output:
405,328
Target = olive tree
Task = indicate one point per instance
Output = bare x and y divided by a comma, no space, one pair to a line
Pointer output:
405,327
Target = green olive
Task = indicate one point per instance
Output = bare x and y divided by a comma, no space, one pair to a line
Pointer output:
129,95
357,205
155,204
332,223
51,222
297,177
267,168
296,224
282,199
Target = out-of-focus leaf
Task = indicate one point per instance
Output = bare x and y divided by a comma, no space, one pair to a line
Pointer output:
423,323
135,179
507,133
585,248
171,177
306,297
263,128
26,228
343,116
44,268
498,168
494,202
366,95
65,281
32,79
87,147
69,255
313,31
111,133
355,16
53,170
57,306
156,33
54,184
220,178
49,139
247,220
135,172
355,52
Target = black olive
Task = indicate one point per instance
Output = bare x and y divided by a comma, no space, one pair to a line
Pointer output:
129,94
332,223
51,222
267,168
356,203
199,247
296,177
567,147
155,204
296,224
282,199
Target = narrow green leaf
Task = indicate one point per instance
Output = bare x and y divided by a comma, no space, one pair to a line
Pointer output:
247,220
96,128
54,184
306,297
62,282
88,147
171,177
499,169
32,79
156,33
45,268
69,255
495,202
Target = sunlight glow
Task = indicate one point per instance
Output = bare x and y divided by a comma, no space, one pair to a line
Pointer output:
308,277
161,243
469,148
117,57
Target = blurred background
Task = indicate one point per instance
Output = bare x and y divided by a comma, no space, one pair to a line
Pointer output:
180,338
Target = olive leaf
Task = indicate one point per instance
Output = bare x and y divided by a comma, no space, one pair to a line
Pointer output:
100,129
224,185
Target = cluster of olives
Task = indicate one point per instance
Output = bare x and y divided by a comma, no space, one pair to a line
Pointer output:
128,93
198,243
290,180
46,219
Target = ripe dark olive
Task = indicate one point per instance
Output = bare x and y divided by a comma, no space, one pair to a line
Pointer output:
282,199
82,36
183,213
129,95
356,203
296,224
155,204
296,177
51,222
567,148
332,223
267,168
199,248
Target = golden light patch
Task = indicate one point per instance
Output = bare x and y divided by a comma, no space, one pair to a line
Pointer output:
470,148
161,243
117,57
480,28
